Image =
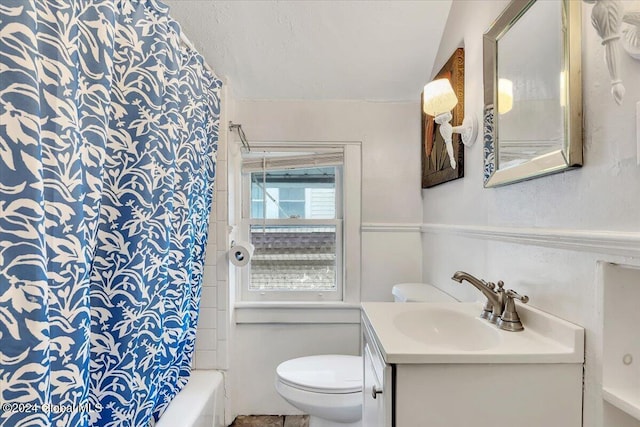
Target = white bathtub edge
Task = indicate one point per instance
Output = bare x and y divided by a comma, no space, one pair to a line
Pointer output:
199,404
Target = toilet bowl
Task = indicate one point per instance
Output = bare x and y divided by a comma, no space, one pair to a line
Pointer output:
327,387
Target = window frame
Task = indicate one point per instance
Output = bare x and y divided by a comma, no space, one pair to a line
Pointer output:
347,223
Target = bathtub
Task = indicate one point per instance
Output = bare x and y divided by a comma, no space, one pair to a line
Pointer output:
199,404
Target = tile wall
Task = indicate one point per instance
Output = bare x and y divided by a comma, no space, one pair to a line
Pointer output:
211,338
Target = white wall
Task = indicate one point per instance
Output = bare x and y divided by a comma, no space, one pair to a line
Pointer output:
391,243
545,237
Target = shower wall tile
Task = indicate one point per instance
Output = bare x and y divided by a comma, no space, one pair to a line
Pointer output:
223,266
221,176
206,339
207,359
210,275
211,249
208,318
211,337
222,353
211,257
222,235
221,206
222,151
221,321
209,297
212,231
214,209
222,295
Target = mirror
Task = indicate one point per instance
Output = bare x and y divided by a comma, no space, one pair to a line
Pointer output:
532,91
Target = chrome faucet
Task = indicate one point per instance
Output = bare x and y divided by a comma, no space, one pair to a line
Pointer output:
495,299
500,307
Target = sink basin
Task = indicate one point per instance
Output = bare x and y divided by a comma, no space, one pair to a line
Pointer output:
454,333
442,327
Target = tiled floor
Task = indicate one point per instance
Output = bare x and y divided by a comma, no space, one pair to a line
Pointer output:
271,421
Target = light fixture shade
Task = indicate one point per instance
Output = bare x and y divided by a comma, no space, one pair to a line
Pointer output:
439,97
505,96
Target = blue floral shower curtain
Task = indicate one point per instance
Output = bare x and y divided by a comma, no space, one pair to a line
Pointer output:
108,136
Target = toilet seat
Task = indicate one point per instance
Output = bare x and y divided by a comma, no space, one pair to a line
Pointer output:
325,374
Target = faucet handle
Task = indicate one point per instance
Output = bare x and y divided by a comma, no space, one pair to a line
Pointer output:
495,314
488,307
510,321
513,294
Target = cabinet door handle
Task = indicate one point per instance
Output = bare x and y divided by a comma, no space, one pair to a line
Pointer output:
375,392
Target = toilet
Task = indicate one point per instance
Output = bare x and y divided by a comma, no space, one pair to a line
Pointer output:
329,387
419,292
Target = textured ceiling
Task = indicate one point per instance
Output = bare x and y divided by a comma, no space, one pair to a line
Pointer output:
307,49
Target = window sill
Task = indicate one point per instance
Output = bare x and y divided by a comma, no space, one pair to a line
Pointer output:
297,312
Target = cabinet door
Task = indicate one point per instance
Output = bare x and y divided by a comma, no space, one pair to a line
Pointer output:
373,405
376,390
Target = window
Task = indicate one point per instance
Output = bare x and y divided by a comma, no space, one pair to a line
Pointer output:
303,192
295,230
294,213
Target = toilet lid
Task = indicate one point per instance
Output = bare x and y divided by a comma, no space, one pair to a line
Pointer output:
323,374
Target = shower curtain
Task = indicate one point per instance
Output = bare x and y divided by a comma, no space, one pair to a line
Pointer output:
108,136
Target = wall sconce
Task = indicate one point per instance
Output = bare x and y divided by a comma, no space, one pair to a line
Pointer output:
505,96
611,22
439,100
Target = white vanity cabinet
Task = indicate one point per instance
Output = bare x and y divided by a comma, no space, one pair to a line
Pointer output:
523,379
377,387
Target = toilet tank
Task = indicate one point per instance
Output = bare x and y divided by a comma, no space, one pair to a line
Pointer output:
419,292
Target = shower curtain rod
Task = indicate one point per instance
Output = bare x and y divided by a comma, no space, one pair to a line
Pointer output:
190,45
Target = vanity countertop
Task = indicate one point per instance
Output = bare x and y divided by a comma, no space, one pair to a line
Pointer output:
454,333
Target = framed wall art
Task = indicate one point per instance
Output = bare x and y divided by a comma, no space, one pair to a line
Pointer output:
436,167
